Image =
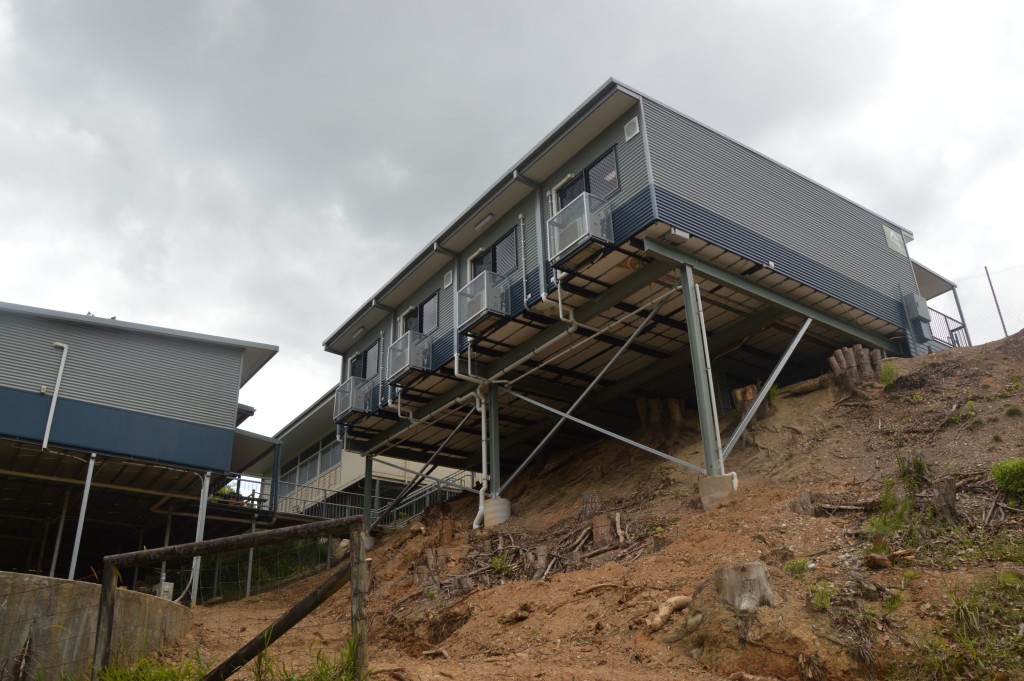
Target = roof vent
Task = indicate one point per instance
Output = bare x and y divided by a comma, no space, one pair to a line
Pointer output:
631,128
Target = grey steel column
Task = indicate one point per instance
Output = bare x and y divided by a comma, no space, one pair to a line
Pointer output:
248,572
81,516
167,542
60,532
999,310
367,489
200,531
963,320
135,571
494,446
702,375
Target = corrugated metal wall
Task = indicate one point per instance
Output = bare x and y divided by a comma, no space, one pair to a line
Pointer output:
721,191
138,372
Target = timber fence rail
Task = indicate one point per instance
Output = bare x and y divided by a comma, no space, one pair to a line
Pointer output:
354,570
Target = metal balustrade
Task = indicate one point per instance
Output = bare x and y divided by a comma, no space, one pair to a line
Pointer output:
947,330
486,294
409,354
584,220
353,395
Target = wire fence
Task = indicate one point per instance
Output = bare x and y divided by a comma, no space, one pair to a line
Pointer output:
992,303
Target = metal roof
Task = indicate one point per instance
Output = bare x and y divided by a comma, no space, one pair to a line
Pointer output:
254,355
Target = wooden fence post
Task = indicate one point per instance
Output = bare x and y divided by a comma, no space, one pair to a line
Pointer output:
360,585
105,619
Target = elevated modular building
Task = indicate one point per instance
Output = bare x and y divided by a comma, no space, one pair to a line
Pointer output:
632,253
124,425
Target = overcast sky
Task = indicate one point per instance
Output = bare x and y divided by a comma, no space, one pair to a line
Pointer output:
258,169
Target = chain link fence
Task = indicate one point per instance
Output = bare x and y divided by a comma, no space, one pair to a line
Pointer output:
992,302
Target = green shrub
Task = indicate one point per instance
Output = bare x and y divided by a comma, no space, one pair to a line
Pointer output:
888,374
1013,410
1009,476
821,595
501,565
796,567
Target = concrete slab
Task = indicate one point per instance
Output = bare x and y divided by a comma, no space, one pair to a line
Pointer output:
715,488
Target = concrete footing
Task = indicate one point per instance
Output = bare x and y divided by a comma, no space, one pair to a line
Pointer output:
715,488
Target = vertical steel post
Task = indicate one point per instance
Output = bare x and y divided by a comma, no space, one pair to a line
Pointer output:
494,444
200,530
135,572
998,309
963,320
81,516
167,542
367,488
60,532
248,571
702,375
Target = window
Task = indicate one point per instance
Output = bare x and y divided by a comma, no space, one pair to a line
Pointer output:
501,257
894,238
367,363
600,178
423,317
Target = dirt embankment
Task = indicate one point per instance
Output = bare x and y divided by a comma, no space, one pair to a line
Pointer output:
559,593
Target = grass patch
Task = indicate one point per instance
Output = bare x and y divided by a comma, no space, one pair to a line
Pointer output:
796,567
501,566
1013,411
978,637
326,667
912,472
821,594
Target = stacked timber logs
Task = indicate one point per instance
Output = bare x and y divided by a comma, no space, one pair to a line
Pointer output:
856,366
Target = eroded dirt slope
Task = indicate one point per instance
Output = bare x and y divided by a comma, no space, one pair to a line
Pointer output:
539,598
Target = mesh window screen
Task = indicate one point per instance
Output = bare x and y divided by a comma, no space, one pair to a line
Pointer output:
570,191
505,259
603,176
411,321
428,314
482,263
372,359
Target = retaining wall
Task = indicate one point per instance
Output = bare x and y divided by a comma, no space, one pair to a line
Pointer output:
49,626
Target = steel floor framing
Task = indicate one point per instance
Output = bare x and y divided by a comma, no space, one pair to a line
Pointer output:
746,336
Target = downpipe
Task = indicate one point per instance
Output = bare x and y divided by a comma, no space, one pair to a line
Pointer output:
485,478
56,392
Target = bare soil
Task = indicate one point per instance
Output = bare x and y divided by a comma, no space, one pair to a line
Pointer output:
475,616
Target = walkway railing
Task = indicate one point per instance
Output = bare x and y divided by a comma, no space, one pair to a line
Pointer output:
948,330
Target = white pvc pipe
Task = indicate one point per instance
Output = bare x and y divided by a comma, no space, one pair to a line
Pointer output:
56,391
481,405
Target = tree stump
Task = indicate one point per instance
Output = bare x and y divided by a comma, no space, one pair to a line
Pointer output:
592,504
744,587
604,535
944,501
